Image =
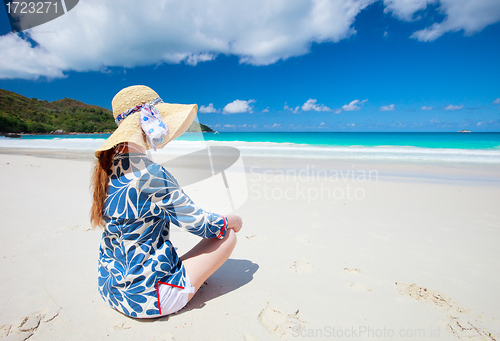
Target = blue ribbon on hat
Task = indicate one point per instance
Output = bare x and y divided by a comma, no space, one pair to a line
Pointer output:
151,122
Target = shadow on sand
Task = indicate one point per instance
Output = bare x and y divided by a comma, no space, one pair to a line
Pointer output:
233,274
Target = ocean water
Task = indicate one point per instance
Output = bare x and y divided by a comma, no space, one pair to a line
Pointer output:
420,147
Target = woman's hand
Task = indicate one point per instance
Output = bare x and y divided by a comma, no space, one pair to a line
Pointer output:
234,222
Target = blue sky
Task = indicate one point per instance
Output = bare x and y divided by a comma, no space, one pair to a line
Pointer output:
346,65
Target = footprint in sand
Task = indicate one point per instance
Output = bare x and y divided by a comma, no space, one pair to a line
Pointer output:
301,266
462,324
280,323
430,296
25,327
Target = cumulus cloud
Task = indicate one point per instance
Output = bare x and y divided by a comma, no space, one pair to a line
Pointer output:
21,60
497,101
210,109
294,110
405,9
387,108
472,16
469,15
426,108
99,34
353,106
266,110
453,107
238,107
311,105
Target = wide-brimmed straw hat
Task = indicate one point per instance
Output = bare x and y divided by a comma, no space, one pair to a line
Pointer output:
127,105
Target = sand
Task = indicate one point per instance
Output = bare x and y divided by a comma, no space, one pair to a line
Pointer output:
378,251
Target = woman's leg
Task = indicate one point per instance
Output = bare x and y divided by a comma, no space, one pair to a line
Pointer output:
206,257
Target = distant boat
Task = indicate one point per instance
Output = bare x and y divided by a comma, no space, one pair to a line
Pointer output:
216,132
464,131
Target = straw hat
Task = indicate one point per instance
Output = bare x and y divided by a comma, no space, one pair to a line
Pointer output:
177,117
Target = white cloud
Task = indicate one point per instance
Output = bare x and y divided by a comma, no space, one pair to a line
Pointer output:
497,101
472,16
266,110
229,126
426,108
387,108
311,105
405,9
337,111
21,60
453,107
99,34
238,106
294,110
209,109
353,106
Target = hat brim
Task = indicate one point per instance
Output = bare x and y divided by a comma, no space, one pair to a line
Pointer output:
178,118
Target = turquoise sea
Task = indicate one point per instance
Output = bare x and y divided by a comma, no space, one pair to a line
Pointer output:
423,140
449,147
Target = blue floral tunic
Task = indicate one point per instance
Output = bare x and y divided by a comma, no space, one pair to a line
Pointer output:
136,253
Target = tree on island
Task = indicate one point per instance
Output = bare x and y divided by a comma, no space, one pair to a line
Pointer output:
19,114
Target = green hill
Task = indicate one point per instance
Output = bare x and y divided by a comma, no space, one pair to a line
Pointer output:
19,114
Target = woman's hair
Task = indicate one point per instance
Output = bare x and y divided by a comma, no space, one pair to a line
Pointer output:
99,186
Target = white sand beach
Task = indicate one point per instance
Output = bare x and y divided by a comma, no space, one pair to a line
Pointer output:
388,251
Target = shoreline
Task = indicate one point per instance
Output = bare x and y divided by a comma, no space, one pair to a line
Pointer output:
394,170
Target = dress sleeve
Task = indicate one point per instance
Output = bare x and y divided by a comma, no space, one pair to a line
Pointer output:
177,208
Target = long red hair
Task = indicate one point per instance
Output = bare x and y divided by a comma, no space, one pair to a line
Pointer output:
99,187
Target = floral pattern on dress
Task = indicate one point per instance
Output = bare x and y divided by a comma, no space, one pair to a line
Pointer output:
135,252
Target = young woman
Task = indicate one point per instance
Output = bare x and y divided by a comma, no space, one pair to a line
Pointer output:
136,201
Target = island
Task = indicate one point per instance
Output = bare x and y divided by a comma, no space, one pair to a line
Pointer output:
464,131
21,115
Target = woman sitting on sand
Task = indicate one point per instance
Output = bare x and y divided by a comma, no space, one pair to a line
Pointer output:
136,200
